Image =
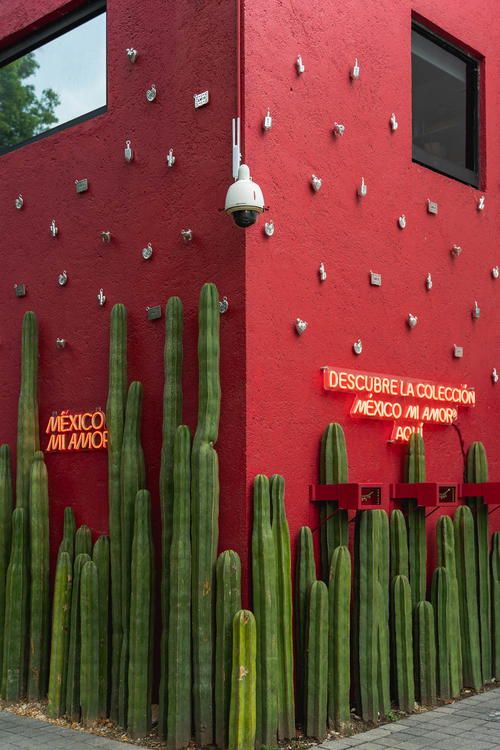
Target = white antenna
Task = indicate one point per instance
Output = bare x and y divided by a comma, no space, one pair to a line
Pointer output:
236,147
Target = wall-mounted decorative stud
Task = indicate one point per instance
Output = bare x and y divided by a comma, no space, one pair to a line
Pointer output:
432,207
476,310
54,230
428,282
127,152
223,305
101,298
151,93
299,65
455,250
61,343
495,272
82,185
355,70
458,351
375,279
170,158
362,189
20,290
153,313
269,228
322,271
300,326
412,320
187,235
131,54
316,182
357,346
62,279
267,122
393,122
480,203
494,375
402,221
200,99
147,251
19,201
338,129
106,236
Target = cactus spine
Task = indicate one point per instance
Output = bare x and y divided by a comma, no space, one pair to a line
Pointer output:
368,601
317,661
228,603
83,541
40,598
69,530
305,575
339,600
16,611
100,557
133,479
445,538
6,502
399,544
179,619
60,621
242,712
115,419
476,470
333,470
172,417
28,438
72,703
467,596
89,668
417,539
141,620
403,643
425,654
281,537
205,512
264,604
495,590
384,678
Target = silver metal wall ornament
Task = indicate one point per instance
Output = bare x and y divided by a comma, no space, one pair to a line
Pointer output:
494,375
170,158
455,250
362,189
127,152
19,201
187,235
131,54
316,182
402,221
54,230
476,310
61,343
269,228
354,73
375,279
62,279
147,251
480,203
393,122
357,346
20,290
151,93
338,129
201,99
412,320
322,272
153,313
300,326
101,297
267,122
299,65
82,185
495,272
458,351
106,236
428,282
432,207
223,305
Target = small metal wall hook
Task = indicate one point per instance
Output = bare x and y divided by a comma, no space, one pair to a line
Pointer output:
201,99
300,326
357,346
402,221
62,278
458,351
455,250
338,129
476,310
223,305
269,228
393,122
362,189
19,201
82,185
54,230
432,207
428,282
267,122
106,236
495,272
151,93
127,152
480,203
147,251
131,54
20,290
300,65
375,279
187,235
316,182
322,272
101,297
61,343
494,375
170,158
412,320
355,70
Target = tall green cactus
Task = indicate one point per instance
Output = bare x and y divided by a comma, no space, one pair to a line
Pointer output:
445,539
402,643
101,558
281,537
417,536
264,605
333,470
495,591
59,640
384,676
40,597
28,435
141,620
305,575
367,610
72,703
69,530
89,667
6,502
179,603
243,711
172,417
465,553
317,661
133,479
446,636
425,654
115,419
16,611
399,544
205,513
476,470
339,602
228,603
83,541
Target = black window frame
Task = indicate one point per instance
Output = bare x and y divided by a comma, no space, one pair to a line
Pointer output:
436,163
38,38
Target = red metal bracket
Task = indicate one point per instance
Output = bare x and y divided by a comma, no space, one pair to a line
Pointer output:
350,495
427,494
489,491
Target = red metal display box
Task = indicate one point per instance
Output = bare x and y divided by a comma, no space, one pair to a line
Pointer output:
350,495
427,494
489,491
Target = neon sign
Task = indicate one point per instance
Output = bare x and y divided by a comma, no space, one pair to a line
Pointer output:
408,402
77,432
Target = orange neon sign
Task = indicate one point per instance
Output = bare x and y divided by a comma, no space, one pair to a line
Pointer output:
77,432
408,402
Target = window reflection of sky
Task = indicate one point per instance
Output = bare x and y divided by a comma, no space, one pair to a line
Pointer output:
74,66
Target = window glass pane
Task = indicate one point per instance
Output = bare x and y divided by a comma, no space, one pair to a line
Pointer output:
60,80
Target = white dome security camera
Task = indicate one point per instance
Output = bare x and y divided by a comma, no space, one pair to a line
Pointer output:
244,199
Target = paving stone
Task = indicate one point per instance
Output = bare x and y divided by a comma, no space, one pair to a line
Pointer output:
336,745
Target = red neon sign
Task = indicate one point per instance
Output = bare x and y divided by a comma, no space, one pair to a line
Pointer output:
77,432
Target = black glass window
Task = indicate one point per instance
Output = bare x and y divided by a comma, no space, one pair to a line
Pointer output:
445,107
